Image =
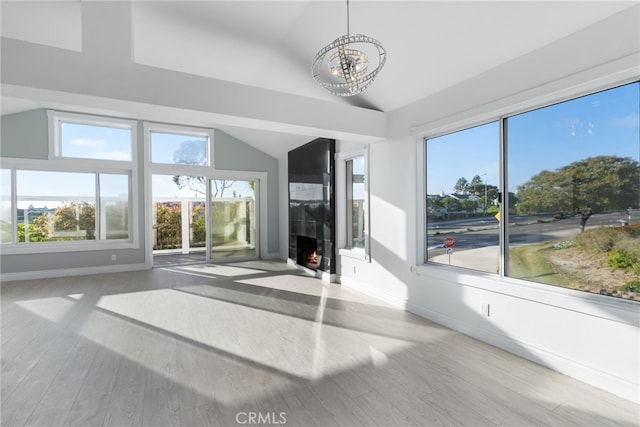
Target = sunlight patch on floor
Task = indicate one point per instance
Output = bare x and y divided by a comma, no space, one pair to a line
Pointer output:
209,270
52,309
242,336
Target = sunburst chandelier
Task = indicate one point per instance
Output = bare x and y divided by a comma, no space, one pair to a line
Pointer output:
348,65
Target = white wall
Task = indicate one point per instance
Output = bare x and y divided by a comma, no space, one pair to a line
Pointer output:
590,337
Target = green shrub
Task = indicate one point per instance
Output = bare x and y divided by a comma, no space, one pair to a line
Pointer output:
631,286
601,239
604,239
627,260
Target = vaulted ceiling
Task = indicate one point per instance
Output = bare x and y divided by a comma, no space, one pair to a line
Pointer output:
431,45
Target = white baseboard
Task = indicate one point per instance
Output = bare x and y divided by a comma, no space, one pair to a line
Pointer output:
322,275
615,385
350,283
83,271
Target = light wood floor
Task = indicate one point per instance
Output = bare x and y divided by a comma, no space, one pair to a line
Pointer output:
227,345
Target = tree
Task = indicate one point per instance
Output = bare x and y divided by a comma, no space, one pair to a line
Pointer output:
593,185
462,186
198,184
38,229
76,216
468,205
219,185
198,225
451,204
168,226
476,181
193,152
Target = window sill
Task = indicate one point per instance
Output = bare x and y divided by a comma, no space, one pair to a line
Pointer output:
358,254
54,247
563,298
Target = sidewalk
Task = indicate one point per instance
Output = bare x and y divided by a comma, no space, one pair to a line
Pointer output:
482,259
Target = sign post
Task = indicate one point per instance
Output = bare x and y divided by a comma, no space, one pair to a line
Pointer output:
449,243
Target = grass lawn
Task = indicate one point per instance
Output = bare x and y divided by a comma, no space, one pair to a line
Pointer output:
527,262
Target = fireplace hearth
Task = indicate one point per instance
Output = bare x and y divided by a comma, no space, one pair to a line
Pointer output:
307,256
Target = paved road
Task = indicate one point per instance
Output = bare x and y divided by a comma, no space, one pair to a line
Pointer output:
483,232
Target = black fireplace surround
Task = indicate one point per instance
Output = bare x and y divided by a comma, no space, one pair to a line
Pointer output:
312,205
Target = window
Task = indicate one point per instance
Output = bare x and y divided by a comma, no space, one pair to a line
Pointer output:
570,214
83,196
574,183
356,207
62,209
181,149
6,219
69,212
462,192
114,206
86,137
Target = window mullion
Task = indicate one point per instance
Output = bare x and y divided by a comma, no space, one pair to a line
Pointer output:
503,200
98,209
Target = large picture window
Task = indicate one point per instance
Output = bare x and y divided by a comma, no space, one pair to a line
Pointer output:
70,212
574,190
82,196
570,207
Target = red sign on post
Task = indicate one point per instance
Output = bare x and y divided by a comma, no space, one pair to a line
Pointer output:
449,242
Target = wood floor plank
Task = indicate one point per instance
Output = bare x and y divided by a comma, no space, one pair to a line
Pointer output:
381,411
88,412
125,407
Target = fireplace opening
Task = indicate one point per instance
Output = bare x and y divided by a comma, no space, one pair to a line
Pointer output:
307,255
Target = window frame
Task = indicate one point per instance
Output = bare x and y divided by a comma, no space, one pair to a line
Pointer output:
496,281
56,118
57,163
177,168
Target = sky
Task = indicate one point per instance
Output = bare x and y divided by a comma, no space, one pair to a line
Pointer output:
106,143
164,187
605,123
95,142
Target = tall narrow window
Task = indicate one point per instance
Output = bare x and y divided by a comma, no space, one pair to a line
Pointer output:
462,198
6,219
356,206
114,206
574,182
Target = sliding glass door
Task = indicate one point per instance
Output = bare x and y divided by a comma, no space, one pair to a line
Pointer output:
179,219
233,219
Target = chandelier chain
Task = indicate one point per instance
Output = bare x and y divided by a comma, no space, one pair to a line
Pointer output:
348,17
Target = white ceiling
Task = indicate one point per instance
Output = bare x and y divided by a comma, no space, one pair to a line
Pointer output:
431,45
